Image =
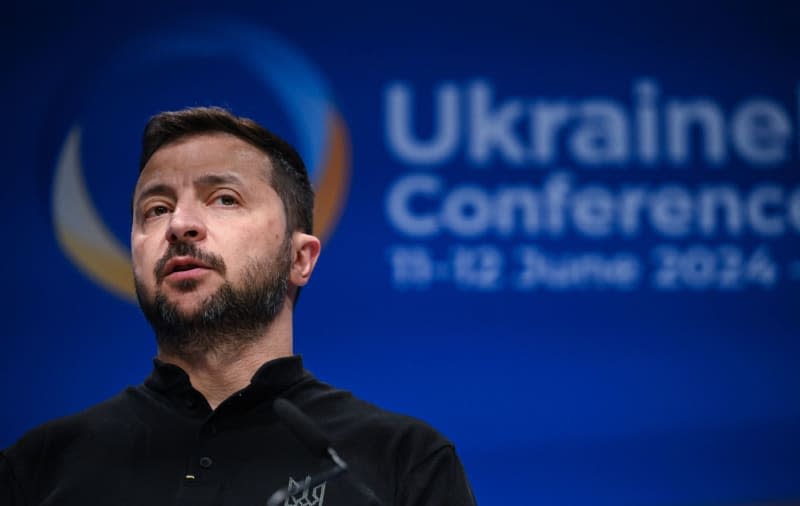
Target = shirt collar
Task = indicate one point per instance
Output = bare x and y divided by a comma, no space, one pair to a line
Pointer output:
270,379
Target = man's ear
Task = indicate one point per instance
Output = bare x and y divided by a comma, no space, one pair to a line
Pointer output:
305,248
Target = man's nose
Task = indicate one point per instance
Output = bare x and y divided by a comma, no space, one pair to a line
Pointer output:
186,225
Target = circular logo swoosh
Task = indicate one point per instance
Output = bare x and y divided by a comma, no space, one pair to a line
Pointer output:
323,140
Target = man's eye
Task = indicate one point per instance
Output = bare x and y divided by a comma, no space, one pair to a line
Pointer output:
156,211
227,200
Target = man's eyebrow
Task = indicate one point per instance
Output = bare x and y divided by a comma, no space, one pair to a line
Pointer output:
217,179
156,189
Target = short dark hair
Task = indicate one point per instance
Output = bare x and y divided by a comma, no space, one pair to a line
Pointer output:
288,177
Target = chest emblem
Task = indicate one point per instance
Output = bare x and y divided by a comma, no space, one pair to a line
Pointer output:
309,497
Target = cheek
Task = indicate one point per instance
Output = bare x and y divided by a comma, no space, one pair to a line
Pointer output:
277,229
142,259
264,233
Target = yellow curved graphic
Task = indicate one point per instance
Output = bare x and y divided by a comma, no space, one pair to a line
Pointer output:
81,232
335,180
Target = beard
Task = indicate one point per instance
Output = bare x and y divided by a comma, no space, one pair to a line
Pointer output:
227,320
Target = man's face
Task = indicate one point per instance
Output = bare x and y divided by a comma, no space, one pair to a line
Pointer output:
208,239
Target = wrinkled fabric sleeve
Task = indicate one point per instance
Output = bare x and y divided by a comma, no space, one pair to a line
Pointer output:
439,480
10,494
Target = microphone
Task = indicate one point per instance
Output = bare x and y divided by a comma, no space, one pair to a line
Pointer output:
302,427
318,443
306,431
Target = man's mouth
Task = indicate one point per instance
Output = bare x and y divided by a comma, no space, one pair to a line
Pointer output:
184,264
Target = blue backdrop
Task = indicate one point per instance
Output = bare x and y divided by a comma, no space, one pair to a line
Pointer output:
567,236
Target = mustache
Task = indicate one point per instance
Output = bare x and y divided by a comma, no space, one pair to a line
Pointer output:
181,249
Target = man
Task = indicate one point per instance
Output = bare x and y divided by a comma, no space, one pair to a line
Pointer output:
221,245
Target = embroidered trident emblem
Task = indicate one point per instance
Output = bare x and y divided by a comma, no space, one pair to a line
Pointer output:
309,497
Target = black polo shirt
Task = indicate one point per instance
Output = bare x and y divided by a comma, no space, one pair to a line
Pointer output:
161,444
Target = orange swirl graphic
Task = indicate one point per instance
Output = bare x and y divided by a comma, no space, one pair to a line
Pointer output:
335,177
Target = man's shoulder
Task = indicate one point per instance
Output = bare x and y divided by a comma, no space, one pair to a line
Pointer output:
355,423
379,444
341,410
105,419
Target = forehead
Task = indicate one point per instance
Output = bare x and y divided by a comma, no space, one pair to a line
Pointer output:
203,154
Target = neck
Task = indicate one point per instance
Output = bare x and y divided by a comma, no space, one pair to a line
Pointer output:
218,374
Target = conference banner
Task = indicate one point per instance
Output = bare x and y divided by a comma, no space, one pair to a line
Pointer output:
567,236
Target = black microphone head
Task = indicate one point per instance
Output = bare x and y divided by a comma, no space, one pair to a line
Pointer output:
302,427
